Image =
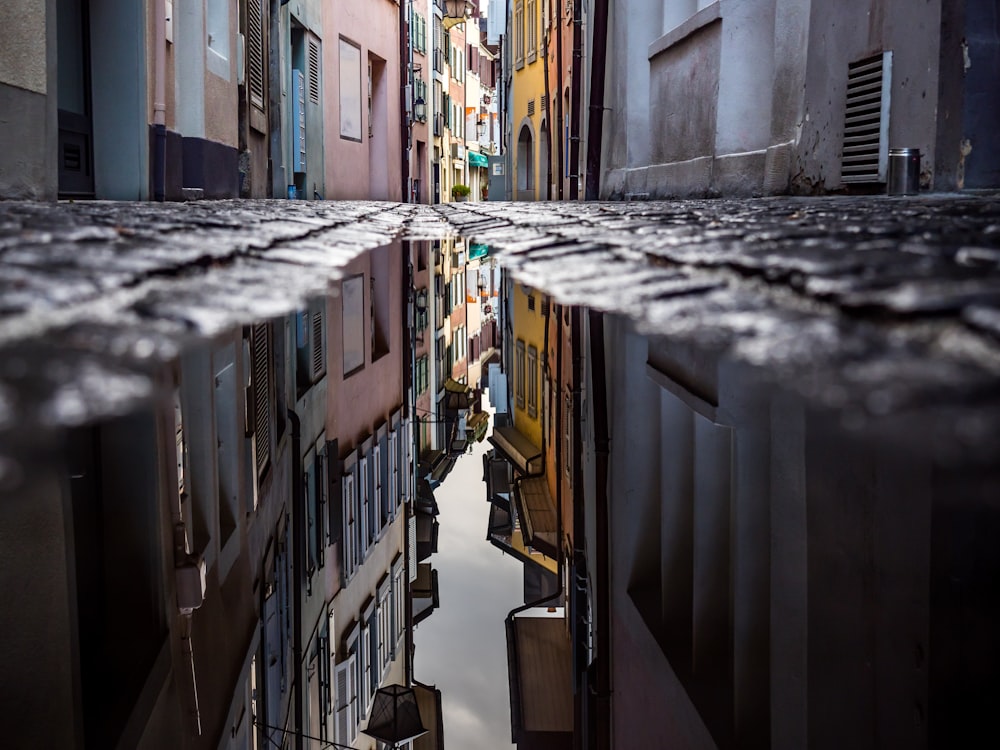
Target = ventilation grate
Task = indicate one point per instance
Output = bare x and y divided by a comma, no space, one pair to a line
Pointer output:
313,72
866,120
531,107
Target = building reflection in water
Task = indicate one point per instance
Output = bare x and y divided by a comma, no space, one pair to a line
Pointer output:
228,542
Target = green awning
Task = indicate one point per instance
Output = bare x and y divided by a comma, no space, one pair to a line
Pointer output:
477,160
477,250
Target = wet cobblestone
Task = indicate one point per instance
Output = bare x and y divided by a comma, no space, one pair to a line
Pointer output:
885,311
872,307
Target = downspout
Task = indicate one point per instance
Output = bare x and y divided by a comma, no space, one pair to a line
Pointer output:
548,115
595,127
275,162
404,116
582,684
159,100
298,547
410,409
559,107
599,400
575,104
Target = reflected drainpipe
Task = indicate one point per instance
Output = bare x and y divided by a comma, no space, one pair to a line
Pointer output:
599,401
298,542
410,412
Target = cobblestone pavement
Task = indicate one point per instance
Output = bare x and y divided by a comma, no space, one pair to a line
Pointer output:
872,307
885,311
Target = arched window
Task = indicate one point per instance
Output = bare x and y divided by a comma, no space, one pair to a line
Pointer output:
525,160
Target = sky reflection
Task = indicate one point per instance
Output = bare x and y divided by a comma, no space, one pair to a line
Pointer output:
461,648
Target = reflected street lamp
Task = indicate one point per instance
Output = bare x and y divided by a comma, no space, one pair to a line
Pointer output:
420,109
394,716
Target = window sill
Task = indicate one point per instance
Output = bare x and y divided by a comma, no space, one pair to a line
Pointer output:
707,15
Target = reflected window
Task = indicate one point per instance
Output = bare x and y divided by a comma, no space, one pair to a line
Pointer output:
520,373
532,382
353,321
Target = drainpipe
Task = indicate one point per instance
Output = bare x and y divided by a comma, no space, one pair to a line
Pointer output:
575,104
159,100
599,400
547,115
595,127
404,118
298,545
275,162
559,97
410,412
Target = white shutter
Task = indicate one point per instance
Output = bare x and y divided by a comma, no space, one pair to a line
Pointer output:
393,473
413,548
377,482
363,508
347,701
350,532
365,665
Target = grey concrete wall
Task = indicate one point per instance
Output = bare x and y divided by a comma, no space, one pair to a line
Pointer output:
29,133
840,33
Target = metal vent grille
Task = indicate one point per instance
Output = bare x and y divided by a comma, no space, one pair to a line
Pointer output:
545,103
255,53
261,396
531,107
866,120
313,72
318,355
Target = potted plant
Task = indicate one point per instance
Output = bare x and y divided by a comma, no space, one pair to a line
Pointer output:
460,192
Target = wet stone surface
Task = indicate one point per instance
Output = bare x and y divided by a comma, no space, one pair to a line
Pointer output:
870,307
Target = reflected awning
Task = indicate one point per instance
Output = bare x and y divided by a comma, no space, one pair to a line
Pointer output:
477,160
478,250
537,511
539,670
424,592
517,448
478,424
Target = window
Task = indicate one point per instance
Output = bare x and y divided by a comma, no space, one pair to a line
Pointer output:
380,301
519,34
310,348
350,532
350,91
520,374
532,382
353,322
347,695
531,20
421,374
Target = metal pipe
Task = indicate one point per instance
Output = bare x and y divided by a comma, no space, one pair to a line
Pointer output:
575,103
602,521
298,547
404,119
559,98
595,127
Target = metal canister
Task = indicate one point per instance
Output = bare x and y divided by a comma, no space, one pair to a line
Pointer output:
904,171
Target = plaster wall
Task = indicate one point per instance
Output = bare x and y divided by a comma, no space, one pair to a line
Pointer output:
374,27
840,33
367,397
23,60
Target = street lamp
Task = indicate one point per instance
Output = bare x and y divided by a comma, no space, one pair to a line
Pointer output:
394,716
420,109
481,126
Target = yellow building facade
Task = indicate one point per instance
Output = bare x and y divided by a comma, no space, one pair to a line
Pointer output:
529,105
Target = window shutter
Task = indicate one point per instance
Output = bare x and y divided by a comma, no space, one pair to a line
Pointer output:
386,501
255,52
350,530
377,488
335,508
393,472
318,350
412,547
347,721
261,397
363,507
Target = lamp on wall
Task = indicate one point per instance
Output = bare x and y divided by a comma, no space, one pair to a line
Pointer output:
420,109
481,126
394,716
